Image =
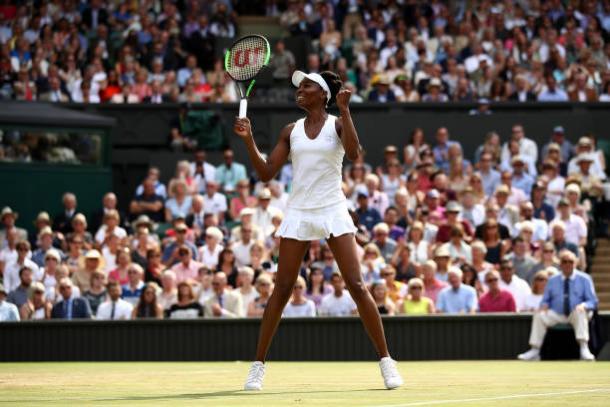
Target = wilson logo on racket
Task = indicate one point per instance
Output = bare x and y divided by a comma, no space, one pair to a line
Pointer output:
243,61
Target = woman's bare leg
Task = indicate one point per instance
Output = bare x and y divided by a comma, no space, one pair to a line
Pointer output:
344,250
291,255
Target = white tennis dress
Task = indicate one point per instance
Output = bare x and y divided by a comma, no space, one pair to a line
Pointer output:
317,207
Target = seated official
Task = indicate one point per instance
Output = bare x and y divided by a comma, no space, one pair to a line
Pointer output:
568,298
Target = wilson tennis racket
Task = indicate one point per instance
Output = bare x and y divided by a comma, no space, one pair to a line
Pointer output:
243,61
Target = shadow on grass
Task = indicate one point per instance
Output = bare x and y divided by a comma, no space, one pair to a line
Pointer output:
227,393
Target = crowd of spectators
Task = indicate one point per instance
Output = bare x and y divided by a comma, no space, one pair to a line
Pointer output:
154,51
436,233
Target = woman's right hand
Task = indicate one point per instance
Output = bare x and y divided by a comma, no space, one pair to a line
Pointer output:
242,127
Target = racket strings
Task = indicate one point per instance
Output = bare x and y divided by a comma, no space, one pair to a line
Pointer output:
246,58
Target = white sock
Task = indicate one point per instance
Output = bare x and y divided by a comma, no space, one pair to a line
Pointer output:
584,345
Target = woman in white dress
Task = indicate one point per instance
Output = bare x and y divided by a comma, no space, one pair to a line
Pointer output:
317,207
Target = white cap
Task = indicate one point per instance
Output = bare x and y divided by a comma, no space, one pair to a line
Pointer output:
298,76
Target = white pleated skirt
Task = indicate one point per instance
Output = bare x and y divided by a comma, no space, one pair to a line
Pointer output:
315,224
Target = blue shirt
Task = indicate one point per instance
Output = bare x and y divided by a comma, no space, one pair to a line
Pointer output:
523,182
229,177
176,209
581,291
490,181
462,300
440,154
369,217
8,312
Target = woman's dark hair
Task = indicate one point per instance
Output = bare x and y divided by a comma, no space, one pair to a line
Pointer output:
334,84
147,309
221,258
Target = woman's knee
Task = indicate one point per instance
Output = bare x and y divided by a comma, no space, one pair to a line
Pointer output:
356,287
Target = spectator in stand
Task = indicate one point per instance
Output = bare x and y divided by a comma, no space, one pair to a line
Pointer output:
397,290
230,173
442,258
96,294
180,203
317,286
8,310
148,202
186,269
575,227
458,298
552,93
109,202
368,217
387,246
115,307
242,201
441,148
569,297
496,299
147,306
169,294
209,253
264,288
8,218
527,147
12,270
338,303
245,279
20,294
299,305
215,202
135,284
110,228
69,307
36,307
533,301
224,303
521,260
8,254
565,146
489,176
241,248
415,303
379,292
202,171
82,277
518,287
122,263
62,222
186,306
158,187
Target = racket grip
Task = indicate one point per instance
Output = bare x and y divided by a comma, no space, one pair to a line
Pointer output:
243,108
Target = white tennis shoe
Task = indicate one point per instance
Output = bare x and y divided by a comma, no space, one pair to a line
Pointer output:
391,376
254,382
531,355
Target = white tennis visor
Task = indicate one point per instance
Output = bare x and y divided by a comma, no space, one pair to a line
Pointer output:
298,76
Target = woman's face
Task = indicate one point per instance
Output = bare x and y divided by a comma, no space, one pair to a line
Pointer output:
379,292
123,259
184,292
310,95
149,295
263,288
317,276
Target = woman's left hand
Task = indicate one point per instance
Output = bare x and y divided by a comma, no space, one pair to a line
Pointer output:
342,99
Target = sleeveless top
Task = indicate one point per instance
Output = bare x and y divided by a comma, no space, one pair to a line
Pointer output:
417,308
316,166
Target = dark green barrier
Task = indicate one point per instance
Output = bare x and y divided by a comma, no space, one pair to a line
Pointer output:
493,336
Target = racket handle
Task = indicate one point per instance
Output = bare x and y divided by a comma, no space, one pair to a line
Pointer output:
243,108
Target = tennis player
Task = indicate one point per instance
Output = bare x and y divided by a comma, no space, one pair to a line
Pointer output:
316,209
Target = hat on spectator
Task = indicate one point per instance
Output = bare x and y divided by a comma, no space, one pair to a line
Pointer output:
585,142
554,147
2,289
549,164
93,254
442,251
417,225
363,193
383,80
246,211
181,227
526,224
433,193
539,185
558,129
585,157
484,101
143,220
8,211
43,217
391,149
573,188
517,159
435,82
502,189
453,206
45,231
214,232
563,202
52,253
264,193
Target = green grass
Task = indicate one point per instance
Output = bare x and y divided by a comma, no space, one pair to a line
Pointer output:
498,383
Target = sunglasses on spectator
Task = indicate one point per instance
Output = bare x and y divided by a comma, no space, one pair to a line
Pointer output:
386,274
416,287
540,279
491,280
567,261
264,284
22,249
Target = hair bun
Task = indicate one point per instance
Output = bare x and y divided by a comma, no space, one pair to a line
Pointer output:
334,84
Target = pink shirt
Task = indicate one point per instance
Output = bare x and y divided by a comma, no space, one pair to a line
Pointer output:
431,291
503,302
185,273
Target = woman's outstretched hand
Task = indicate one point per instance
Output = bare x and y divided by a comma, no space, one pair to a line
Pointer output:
242,127
342,99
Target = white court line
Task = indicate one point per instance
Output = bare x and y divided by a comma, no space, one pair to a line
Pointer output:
508,397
